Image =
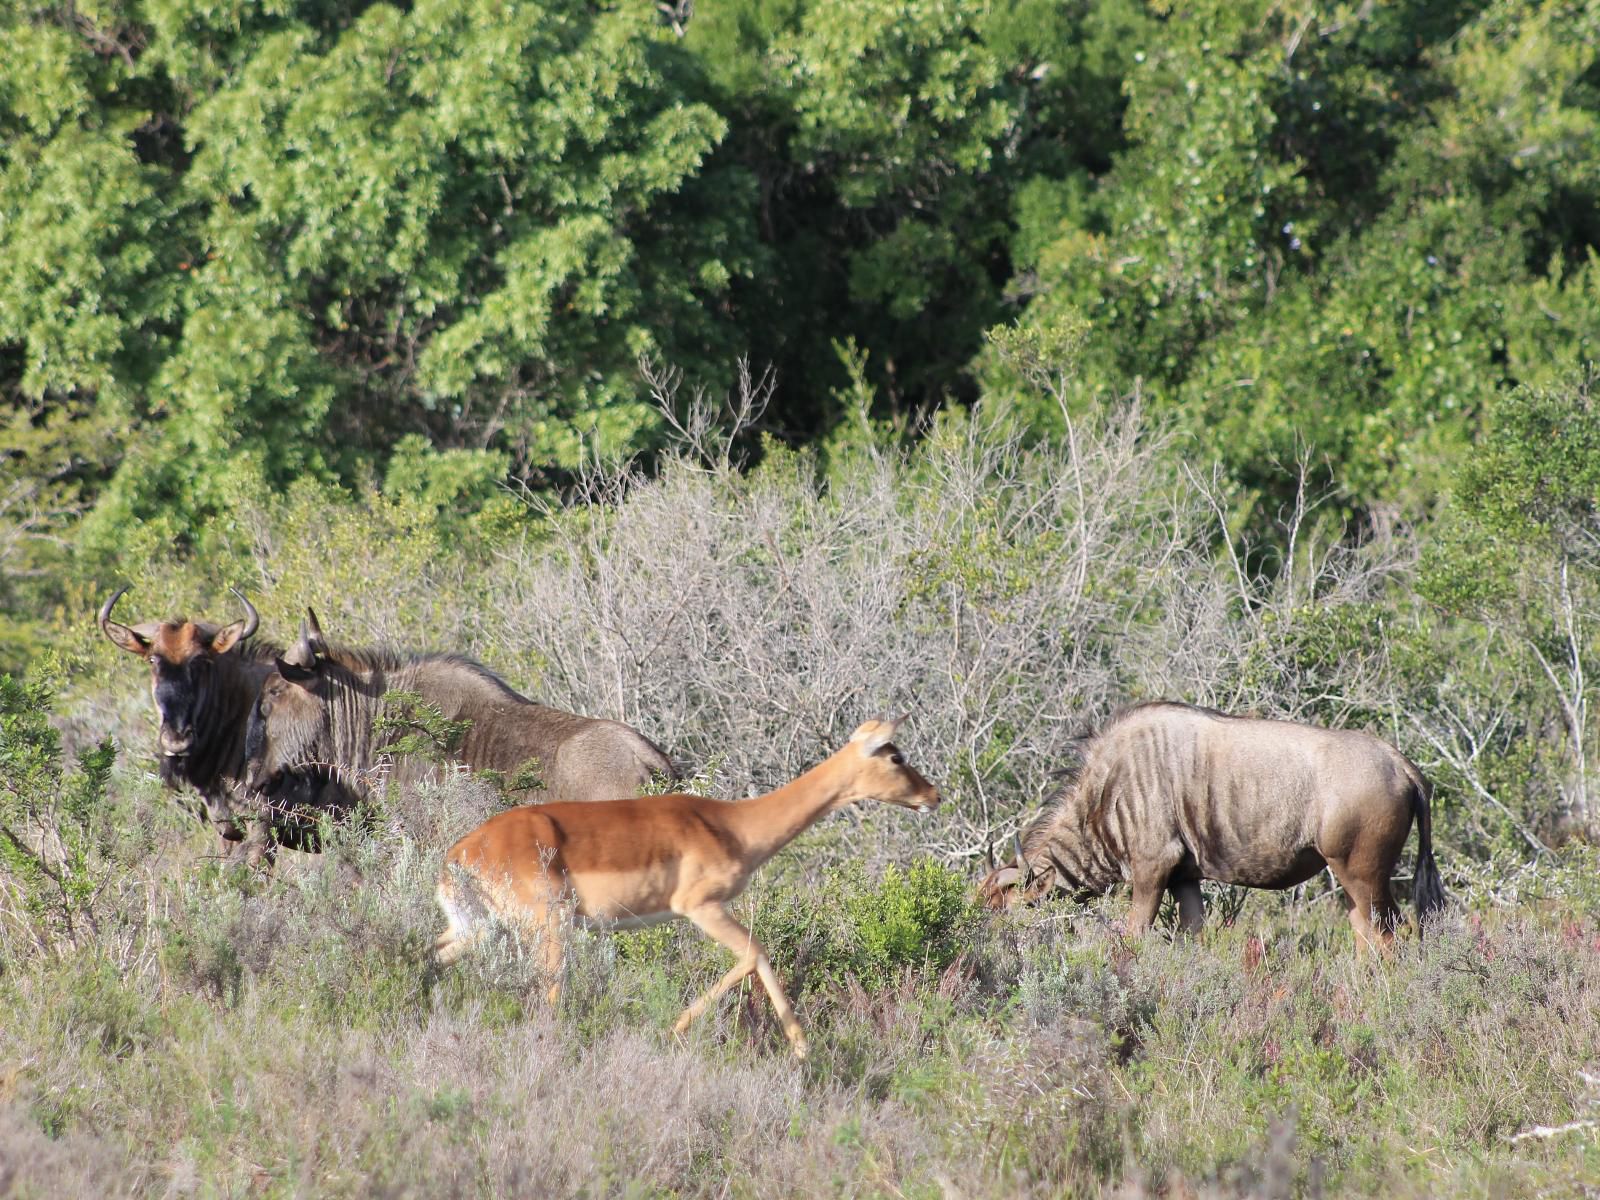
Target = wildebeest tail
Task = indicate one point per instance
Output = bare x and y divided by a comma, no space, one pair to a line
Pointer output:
1427,890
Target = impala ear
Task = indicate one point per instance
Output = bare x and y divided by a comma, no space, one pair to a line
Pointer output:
873,736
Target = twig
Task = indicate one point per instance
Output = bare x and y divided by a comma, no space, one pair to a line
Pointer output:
1550,1131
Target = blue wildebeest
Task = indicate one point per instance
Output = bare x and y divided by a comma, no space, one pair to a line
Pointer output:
317,713
204,679
1169,794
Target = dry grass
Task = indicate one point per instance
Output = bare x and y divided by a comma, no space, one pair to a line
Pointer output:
282,1037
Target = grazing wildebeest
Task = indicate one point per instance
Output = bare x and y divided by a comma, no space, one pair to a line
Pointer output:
1169,794
317,711
204,679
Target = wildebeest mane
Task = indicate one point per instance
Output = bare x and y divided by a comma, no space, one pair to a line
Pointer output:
1080,746
370,659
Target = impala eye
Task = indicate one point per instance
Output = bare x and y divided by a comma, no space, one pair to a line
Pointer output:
155,660
898,759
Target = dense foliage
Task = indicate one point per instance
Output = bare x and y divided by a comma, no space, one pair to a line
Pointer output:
282,240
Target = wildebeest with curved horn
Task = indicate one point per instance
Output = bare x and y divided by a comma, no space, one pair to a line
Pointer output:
204,679
318,710
1169,794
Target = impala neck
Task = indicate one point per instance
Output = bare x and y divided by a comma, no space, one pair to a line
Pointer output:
768,823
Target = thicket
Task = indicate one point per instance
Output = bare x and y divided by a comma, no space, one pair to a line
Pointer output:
427,243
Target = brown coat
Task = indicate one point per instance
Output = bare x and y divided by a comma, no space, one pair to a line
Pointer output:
1169,794
320,707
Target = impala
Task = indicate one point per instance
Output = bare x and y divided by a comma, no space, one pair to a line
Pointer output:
627,863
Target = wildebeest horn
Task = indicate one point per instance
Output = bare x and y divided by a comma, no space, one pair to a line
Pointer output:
252,620
303,654
1022,861
105,609
134,641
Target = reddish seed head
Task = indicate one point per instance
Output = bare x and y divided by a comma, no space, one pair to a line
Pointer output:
1253,952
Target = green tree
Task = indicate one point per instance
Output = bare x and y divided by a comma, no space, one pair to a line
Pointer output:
292,235
1338,227
890,141
1519,552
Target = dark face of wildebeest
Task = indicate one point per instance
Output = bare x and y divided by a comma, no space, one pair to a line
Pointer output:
191,665
289,726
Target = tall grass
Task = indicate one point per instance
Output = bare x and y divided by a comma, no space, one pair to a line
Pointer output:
284,1036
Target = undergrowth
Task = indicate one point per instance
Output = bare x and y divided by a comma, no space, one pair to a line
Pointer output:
283,1035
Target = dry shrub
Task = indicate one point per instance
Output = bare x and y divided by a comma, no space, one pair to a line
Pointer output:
1008,594
35,1164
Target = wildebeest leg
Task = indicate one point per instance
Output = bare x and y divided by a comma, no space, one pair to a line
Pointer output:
1150,875
257,846
221,816
1191,907
1146,902
1372,911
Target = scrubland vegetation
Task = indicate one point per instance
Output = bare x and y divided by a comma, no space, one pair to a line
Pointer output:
175,1026
741,374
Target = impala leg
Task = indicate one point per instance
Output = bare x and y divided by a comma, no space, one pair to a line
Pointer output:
554,960
451,947
1191,907
744,968
715,922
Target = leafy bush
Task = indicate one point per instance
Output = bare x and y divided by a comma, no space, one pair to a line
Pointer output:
916,919
49,816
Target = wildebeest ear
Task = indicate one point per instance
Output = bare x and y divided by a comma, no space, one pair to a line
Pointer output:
135,640
293,672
